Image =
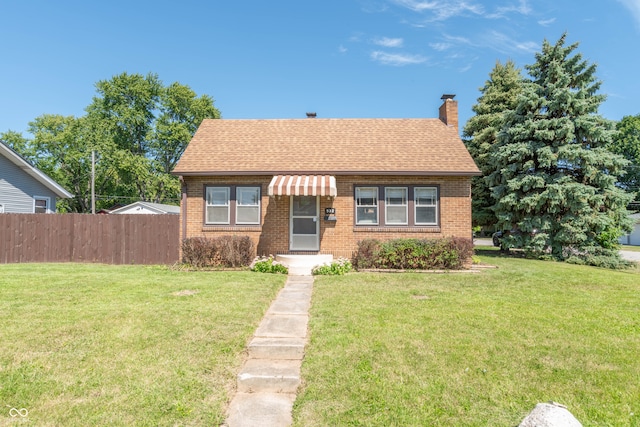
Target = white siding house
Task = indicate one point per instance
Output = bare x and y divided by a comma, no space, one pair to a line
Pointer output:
147,208
634,237
24,188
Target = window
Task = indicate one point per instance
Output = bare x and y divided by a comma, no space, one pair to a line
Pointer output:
232,205
218,202
396,206
40,204
410,206
248,205
426,199
366,205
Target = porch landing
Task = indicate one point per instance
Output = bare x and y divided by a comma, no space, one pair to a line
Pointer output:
301,265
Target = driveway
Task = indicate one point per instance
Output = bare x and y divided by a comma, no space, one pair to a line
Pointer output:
628,255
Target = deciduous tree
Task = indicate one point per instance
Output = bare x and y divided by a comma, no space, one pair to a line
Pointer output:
627,144
138,129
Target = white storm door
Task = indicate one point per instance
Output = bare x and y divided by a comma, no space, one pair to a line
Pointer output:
304,227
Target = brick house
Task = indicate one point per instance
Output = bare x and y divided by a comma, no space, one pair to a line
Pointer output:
318,186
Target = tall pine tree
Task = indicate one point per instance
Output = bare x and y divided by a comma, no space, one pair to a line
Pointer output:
552,171
499,94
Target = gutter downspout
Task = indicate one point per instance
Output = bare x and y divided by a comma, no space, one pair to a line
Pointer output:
183,210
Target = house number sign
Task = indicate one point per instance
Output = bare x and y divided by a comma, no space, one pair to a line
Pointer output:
329,211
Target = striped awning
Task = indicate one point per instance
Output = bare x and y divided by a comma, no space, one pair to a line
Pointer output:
303,185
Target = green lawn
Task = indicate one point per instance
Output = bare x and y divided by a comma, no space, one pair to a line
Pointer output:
133,345
473,349
90,345
630,248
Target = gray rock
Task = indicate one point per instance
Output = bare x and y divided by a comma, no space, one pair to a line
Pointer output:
550,414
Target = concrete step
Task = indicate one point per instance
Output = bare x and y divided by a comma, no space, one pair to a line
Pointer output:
269,376
301,265
260,410
277,348
283,326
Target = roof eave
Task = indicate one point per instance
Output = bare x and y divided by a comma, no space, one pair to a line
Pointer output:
34,172
355,172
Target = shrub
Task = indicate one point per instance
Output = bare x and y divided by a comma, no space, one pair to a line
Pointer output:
223,251
415,254
338,267
268,265
234,251
599,257
198,252
367,254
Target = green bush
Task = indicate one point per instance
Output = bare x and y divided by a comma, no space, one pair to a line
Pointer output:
223,251
367,254
414,254
268,265
338,267
600,257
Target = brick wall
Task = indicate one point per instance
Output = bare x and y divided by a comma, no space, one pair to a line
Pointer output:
340,237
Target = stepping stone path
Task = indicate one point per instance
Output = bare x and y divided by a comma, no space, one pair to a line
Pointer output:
269,379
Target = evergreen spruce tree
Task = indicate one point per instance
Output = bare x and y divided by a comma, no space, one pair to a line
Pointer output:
552,171
499,94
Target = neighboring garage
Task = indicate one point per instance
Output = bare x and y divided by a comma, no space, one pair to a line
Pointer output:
634,237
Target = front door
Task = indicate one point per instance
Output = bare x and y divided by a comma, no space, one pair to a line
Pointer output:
304,228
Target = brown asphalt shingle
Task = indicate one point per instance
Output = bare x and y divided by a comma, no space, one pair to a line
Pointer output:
326,146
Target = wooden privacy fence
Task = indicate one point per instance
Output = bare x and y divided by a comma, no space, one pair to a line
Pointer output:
108,239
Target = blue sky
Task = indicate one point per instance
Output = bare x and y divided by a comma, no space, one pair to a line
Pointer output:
282,58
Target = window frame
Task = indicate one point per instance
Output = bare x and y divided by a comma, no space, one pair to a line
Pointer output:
232,205
435,206
238,205
207,205
387,204
376,205
47,201
410,206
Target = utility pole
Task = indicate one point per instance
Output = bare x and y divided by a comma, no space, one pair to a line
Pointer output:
93,181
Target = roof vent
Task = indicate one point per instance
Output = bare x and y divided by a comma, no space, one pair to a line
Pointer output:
447,96
311,115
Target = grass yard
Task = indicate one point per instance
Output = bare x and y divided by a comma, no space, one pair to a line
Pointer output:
630,248
473,349
90,345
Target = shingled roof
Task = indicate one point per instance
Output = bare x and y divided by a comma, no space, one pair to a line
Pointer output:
326,146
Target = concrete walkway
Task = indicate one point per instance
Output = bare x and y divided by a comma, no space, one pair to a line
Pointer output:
269,379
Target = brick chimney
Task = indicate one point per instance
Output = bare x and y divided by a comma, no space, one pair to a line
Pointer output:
449,111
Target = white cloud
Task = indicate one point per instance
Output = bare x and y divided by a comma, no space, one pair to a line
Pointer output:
389,42
441,9
634,8
505,44
457,39
546,22
342,49
522,8
442,46
493,40
398,59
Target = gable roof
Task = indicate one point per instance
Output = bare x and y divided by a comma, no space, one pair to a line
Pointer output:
158,208
34,172
326,146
